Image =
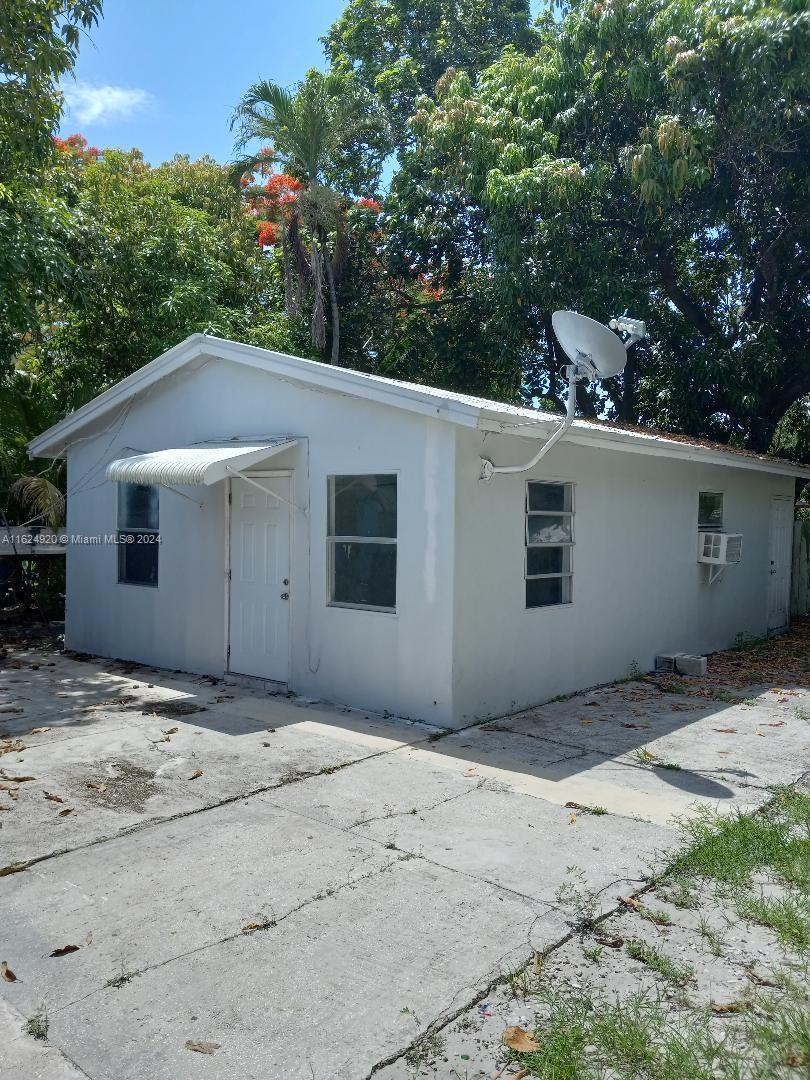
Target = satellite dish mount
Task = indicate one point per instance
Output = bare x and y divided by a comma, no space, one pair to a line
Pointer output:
595,353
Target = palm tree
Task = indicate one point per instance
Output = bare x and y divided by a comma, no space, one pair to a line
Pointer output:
305,127
333,136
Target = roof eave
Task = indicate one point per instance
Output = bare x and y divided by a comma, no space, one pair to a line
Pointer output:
628,442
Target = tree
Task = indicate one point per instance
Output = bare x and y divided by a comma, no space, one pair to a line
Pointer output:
653,157
330,140
39,42
398,49
157,254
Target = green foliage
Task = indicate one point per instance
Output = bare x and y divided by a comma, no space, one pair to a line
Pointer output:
398,49
652,157
156,254
38,45
328,129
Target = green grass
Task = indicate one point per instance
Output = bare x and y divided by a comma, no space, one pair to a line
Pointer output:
585,1036
655,915
730,849
659,962
644,1038
640,1038
676,891
710,936
787,916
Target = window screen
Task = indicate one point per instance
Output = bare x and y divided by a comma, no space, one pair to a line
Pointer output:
138,535
362,541
710,511
549,543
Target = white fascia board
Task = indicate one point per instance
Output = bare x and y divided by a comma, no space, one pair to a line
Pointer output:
628,442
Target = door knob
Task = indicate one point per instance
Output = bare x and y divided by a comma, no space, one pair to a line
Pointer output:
286,581
285,596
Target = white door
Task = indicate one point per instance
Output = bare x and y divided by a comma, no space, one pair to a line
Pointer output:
779,555
259,611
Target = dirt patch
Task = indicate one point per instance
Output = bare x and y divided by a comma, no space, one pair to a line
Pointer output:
170,709
118,785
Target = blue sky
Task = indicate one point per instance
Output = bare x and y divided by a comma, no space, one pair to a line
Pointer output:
164,75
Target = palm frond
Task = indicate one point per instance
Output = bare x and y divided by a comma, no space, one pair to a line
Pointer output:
39,496
249,164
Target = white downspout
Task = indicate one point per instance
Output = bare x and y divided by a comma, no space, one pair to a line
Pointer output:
488,469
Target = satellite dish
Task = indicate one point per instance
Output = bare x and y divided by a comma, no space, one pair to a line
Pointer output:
589,345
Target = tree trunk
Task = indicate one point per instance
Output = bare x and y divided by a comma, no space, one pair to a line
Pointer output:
333,304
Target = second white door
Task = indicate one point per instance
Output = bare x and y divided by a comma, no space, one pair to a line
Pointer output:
781,537
259,615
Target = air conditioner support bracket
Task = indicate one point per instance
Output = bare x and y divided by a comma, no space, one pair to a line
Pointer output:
715,572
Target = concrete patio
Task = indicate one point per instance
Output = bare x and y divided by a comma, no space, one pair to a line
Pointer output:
308,886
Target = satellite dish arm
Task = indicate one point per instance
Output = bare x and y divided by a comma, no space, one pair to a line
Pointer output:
488,469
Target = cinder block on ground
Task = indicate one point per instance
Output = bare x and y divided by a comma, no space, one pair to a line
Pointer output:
690,665
666,661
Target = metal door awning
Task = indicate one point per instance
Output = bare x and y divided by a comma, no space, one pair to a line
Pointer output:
204,463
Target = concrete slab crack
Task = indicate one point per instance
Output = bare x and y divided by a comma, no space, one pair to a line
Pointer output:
323,894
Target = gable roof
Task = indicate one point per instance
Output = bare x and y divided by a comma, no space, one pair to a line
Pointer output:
463,409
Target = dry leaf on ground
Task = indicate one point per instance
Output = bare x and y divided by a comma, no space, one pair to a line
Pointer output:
38,730
202,1047
196,774
631,902
170,731
100,788
49,795
12,746
65,950
726,730
65,812
517,1038
7,973
729,1007
611,942
15,779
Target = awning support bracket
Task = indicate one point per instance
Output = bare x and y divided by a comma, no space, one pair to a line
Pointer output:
249,480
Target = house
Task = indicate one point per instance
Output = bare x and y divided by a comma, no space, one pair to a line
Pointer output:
234,510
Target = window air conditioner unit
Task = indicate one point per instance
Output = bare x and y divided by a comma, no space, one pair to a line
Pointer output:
719,550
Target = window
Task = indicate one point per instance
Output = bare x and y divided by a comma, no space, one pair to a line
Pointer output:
549,543
362,541
710,511
138,536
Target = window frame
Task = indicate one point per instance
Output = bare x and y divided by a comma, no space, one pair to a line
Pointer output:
712,527
332,539
563,575
122,546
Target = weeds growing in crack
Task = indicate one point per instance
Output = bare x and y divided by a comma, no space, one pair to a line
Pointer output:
425,1051
125,974
578,900
659,962
37,1025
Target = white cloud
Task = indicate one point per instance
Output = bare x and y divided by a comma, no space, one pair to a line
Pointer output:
99,104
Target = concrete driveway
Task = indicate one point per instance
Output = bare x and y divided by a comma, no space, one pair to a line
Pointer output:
304,889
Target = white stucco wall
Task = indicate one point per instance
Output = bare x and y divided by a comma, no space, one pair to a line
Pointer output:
377,660
637,589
